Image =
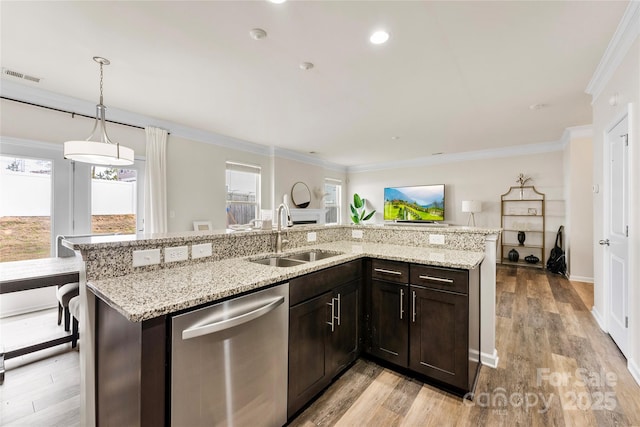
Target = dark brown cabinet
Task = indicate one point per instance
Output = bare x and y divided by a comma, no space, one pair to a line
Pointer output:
389,312
426,319
324,325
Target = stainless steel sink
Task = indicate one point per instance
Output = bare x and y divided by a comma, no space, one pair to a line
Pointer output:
291,260
278,261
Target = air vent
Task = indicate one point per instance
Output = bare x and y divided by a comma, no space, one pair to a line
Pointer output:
18,75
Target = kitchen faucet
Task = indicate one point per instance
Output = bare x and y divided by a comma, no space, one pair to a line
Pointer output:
279,229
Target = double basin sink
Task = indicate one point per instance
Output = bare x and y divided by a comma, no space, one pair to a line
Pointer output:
292,260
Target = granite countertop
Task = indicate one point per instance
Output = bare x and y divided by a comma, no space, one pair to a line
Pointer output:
143,296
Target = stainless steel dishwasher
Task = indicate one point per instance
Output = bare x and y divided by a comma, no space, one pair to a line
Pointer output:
229,362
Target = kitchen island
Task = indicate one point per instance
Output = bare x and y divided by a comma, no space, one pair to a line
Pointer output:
142,294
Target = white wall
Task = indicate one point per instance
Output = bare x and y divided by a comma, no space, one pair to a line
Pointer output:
485,180
578,168
196,182
625,82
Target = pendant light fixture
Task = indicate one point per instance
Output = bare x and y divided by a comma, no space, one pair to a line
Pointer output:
103,152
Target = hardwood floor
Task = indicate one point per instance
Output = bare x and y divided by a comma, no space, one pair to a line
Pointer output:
557,368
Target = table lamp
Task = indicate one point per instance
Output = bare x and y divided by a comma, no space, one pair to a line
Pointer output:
471,206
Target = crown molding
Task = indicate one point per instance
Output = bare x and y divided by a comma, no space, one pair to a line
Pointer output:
11,89
513,151
622,40
8,141
576,132
304,158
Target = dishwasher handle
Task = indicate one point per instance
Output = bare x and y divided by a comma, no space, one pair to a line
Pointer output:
211,328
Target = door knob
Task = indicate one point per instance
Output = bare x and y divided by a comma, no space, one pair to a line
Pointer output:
604,242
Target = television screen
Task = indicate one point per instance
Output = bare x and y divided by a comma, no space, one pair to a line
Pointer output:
416,203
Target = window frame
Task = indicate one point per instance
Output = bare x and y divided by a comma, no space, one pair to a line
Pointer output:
338,205
249,168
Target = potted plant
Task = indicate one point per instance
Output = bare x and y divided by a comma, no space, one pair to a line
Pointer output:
358,212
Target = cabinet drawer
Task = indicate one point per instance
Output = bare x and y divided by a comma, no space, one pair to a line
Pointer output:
308,286
440,278
390,271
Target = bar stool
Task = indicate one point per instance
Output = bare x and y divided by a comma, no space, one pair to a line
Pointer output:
64,295
74,309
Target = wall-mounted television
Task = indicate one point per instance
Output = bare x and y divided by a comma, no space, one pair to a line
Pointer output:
418,203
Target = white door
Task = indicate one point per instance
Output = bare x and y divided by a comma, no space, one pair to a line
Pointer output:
617,232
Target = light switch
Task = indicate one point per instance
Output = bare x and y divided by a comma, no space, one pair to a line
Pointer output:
436,239
200,251
357,234
146,257
311,237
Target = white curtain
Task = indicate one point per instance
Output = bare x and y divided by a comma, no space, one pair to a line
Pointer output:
155,181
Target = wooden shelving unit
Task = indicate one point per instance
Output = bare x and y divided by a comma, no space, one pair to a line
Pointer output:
522,209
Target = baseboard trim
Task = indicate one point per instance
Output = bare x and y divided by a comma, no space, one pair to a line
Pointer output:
581,278
490,360
599,318
634,369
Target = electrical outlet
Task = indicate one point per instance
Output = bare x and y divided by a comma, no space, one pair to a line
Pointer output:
146,257
176,253
357,234
436,239
311,237
200,251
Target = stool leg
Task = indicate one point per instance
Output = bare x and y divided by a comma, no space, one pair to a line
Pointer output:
59,313
74,333
67,319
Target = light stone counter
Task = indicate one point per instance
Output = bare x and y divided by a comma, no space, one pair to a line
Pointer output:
145,295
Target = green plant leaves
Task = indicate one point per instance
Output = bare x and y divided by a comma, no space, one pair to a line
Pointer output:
358,213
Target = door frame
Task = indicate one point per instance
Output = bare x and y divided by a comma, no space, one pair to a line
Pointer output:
606,224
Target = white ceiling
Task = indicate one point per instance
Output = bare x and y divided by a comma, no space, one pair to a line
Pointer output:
454,76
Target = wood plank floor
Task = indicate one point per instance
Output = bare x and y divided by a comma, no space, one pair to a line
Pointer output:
554,362
557,368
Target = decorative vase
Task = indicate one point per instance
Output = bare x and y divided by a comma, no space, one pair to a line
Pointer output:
532,259
514,256
521,193
521,237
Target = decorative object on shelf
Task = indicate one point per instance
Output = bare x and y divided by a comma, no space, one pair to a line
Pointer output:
522,180
358,212
300,195
105,151
471,206
532,259
532,211
514,256
521,237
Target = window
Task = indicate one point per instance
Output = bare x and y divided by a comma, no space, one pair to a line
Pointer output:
113,200
243,193
25,208
333,201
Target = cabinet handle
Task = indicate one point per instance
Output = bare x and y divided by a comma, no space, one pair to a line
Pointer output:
401,303
382,270
436,279
414,306
332,315
339,309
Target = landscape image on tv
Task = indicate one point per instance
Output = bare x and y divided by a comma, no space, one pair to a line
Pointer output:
416,203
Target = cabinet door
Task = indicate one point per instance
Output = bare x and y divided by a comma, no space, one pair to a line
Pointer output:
439,335
344,338
389,322
308,350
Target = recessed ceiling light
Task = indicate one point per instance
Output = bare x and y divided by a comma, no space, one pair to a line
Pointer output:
306,65
258,34
436,154
277,1
379,37
395,137
312,152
